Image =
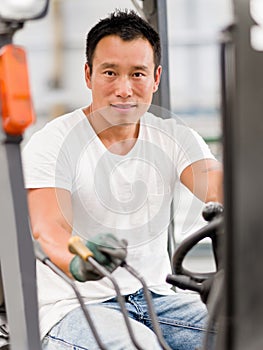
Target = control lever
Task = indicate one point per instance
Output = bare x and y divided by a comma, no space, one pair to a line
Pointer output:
40,255
148,298
114,244
76,246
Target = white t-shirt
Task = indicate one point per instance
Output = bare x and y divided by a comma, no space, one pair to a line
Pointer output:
129,196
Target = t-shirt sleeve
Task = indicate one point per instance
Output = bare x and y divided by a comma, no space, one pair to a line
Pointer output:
45,161
191,147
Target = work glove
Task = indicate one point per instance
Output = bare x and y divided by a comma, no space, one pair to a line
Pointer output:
83,271
107,250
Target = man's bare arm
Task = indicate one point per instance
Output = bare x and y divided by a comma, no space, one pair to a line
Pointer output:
51,220
204,179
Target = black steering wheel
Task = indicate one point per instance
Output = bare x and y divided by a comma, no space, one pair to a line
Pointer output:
186,279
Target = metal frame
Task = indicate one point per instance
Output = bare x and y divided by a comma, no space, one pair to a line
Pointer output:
17,256
241,319
18,270
156,14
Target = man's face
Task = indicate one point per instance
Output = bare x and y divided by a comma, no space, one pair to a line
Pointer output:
122,80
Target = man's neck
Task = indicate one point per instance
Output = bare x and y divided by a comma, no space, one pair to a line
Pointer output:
118,139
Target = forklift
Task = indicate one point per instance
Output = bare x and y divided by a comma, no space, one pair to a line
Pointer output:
237,233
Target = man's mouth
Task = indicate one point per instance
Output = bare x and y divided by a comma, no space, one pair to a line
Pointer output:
123,106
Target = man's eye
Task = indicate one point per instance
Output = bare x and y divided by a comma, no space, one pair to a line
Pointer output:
109,73
138,75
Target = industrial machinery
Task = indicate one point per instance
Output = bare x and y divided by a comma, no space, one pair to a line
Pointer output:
240,251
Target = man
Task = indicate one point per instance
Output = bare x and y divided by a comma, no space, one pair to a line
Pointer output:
112,167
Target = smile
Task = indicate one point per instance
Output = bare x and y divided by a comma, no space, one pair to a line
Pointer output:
123,106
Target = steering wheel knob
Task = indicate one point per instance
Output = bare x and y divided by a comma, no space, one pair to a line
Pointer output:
211,210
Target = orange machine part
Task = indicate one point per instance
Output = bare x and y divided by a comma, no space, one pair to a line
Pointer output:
17,109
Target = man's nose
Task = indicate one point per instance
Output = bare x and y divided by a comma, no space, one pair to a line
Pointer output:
124,88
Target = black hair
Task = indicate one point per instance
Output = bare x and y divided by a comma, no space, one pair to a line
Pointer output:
128,26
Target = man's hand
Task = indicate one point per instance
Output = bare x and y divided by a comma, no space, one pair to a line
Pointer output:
107,250
82,270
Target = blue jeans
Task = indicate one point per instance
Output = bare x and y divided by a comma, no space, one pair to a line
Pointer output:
182,318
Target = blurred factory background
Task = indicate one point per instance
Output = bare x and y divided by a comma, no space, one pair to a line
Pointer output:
56,56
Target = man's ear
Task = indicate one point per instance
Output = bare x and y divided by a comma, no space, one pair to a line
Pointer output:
88,75
157,78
